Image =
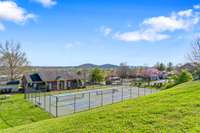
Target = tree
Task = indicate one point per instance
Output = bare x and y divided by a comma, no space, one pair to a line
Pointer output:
123,70
160,66
184,76
97,75
170,67
197,73
13,60
195,54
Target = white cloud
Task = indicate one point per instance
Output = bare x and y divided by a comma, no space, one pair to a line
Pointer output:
186,13
183,20
158,28
46,3
2,28
196,7
10,11
163,23
141,36
105,30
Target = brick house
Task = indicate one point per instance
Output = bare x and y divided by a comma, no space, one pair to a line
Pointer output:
52,80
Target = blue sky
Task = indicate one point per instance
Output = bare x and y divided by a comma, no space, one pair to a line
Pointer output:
73,32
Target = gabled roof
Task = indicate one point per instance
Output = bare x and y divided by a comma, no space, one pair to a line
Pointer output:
52,76
56,75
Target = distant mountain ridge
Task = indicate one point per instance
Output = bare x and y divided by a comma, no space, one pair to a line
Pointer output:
104,66
83,66
87,65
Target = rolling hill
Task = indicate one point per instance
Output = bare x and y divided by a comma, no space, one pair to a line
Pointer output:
15,111
173,110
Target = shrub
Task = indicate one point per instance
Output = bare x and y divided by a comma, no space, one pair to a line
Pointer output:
169,85
184,76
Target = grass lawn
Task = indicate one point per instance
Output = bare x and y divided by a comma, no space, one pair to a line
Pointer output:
15,111
173,110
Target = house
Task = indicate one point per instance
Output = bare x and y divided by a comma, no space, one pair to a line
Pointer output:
188,66
153,74
113,80
52,80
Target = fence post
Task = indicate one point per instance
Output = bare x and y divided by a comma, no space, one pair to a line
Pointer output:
74,103
40,99
151,91
130,93
49,103
89,100
32,96
44,101
138,91
122,94
101,98
29,95
144,91
35,98
56,106
112,96
25,97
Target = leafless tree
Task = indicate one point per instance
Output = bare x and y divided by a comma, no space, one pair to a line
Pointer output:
12,59
195,54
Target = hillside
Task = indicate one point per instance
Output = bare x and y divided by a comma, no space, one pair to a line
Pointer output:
15,111
174,110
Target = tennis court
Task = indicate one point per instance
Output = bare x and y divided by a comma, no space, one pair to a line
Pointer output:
68,103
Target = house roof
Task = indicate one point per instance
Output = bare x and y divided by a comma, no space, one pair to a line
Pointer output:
52,76
188,66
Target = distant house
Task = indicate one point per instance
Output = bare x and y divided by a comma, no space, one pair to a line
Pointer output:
153,74
114,80
188,66
52,80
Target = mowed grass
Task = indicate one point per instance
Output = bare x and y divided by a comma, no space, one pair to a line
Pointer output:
15,111
174,110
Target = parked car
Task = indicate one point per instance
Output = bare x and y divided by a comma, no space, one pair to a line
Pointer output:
10,87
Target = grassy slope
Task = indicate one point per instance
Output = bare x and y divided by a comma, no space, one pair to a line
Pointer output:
174,110
15,111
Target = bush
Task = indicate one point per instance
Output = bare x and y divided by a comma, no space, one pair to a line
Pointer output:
169,85
184,76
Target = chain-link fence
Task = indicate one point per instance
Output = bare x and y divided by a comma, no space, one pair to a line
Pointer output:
68,103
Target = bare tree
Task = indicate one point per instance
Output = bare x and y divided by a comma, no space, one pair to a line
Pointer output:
195,54
195,57
13,60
